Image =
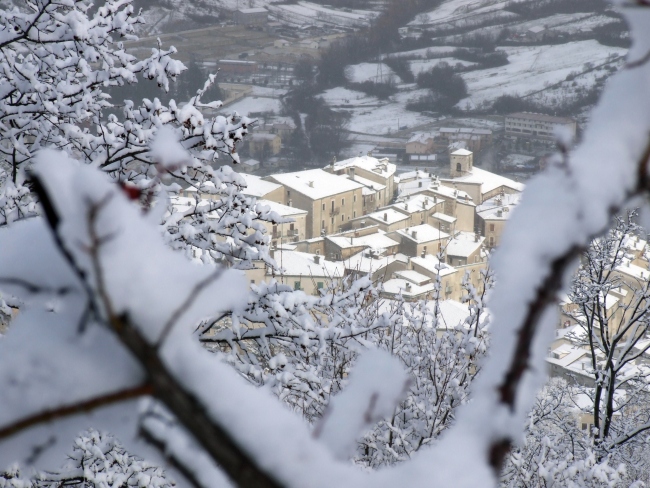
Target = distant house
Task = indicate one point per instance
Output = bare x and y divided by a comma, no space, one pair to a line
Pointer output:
473,139
251,16
536,33
250,166
237,67
263,145
421,143
538,126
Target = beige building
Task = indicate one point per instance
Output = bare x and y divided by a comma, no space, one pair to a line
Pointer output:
538,126
261,189
263,145
473,139
331,201
387,219
465,248
307,272
342,246
286,232
422,143
492,215
479,184
420,240
377,175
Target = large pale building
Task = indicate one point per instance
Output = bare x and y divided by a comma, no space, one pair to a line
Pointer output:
330,200
375,174
538,126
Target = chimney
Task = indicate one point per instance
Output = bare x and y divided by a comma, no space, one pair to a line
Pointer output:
385,217
406,206
476,237
414,234
423,254
419,184
316,259
408,286
499,213
352,172
311,184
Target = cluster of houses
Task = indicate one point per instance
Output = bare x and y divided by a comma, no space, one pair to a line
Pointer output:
358,217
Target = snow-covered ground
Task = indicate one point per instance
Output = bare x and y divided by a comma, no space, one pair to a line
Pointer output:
533,68
419,65
384,119
304,13
254,104
343,96
465,11
377,72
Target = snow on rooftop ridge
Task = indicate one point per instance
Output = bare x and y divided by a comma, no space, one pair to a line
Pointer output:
296,263
282,210
464,244
423,233
257,187
369,163
316,183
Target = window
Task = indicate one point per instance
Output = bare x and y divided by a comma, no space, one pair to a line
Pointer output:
332,205
458,167
354,199
332,221
354,214
322,225
491,241
424,249
323,206
252,282
296,285
319,285
292,226
342,217
491,227
342,202
288,193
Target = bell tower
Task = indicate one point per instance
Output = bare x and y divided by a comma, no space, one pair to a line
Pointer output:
461,163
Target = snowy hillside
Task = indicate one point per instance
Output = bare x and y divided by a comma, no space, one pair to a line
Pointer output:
301,14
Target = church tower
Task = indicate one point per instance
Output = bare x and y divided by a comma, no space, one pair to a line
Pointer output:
461,163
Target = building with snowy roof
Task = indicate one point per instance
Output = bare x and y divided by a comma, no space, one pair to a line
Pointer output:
538,126
262,189
492,214
380,267
480,184
292,230
465,248
387,219
330,200
421,240
379,171
342,246
251,16
307,272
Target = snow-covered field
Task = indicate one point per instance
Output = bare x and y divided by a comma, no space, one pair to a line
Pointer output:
461,10
343,96
304,13
377,72
253,104
384,119
419,65
533,68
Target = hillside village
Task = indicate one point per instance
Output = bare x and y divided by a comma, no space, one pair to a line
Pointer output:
416,197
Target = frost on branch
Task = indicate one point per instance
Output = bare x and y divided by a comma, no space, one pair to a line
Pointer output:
58,60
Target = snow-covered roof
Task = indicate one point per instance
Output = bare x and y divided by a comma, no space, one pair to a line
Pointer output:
378,240
257,187
461,152
464,244
423,233
282,210
413,276
451,313
316,183
366,263
633,270
388,216
255,10
373,186
251,162
296,263
489,181
433,265
541,117
499,207
415,203
421,137
379,166
444,218
396,286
